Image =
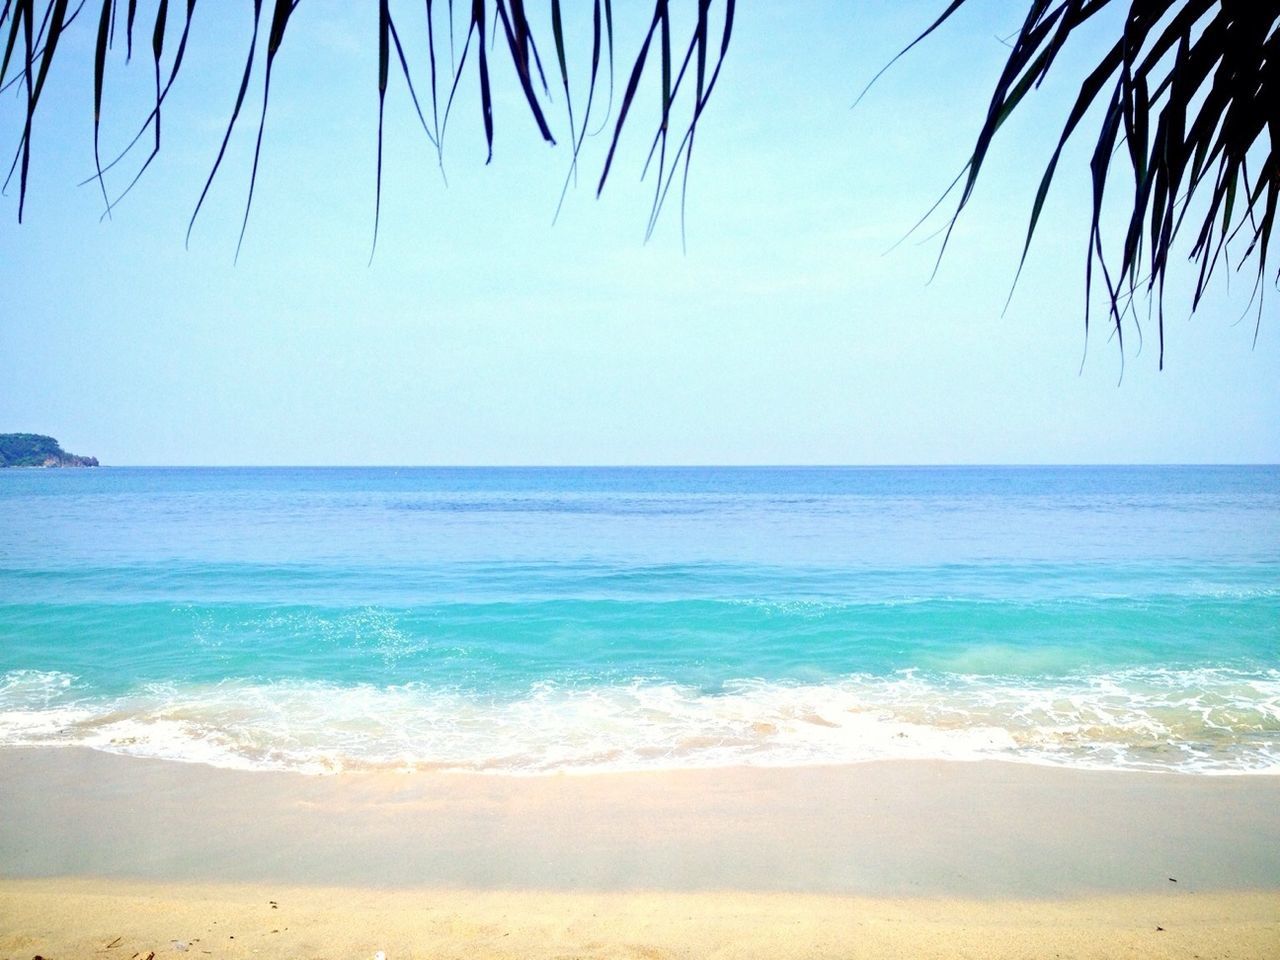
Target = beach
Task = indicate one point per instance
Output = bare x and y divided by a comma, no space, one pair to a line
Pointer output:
792,712
809,552
893,858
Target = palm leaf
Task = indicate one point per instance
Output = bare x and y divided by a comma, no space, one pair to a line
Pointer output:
1189,92
1185,104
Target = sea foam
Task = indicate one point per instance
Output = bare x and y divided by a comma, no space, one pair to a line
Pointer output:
1203,721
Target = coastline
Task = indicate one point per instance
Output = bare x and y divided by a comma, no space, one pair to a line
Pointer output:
881,828
921,858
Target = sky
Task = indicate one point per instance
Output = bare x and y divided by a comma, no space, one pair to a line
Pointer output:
787,331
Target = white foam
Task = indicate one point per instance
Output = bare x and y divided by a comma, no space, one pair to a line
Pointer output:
1205,721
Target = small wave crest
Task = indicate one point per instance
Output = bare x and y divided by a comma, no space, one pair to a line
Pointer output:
1210,720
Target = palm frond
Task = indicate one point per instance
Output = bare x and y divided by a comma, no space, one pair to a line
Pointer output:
31,29
1185,100
1185,104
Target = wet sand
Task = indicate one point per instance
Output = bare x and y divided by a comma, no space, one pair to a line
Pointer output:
886,828
893,858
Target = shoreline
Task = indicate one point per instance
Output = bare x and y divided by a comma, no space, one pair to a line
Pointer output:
881,828
103,855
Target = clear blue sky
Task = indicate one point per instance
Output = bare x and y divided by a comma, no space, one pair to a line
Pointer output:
482,334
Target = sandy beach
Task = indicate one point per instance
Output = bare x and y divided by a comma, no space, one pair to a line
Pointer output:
95,918
878,859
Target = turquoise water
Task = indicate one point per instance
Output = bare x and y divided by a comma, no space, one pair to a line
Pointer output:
526,620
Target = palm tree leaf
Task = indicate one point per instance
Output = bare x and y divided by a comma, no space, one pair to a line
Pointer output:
1181,100
1188,86
235,115
629,95
99,71
279,21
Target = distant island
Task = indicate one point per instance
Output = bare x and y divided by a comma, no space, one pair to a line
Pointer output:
35,450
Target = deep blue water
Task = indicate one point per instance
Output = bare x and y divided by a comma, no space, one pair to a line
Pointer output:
535,619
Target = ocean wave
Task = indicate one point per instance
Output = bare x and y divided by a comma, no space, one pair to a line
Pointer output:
1209,720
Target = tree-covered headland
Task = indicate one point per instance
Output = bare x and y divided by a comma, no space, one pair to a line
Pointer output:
37,450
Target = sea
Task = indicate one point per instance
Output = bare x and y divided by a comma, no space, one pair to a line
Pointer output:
531,621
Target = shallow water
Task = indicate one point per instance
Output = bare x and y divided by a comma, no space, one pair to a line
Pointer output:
525,620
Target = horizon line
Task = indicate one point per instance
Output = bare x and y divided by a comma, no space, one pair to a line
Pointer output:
674,466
